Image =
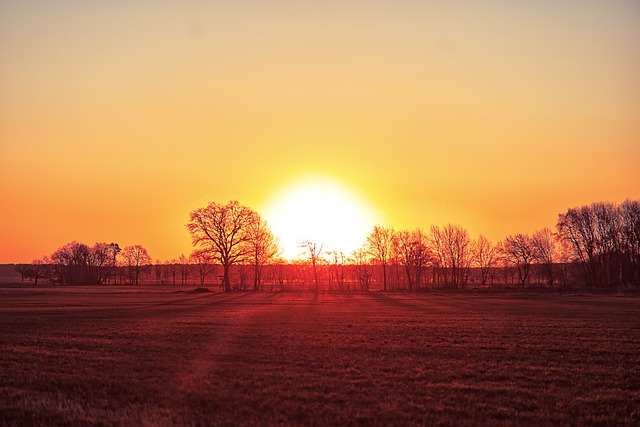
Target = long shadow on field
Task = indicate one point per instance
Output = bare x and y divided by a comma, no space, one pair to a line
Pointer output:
147,307
197,304
395,301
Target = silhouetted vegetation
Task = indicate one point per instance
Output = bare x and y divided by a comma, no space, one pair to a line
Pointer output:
605,239
596,246
232,234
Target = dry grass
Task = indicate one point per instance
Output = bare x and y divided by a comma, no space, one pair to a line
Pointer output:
151,357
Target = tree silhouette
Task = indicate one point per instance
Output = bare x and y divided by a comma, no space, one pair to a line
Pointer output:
604,239
414,254
222,230
520,251
484,256
113,251
314,250
263,247
71,264
544,244
203,262
379,245
39,268
360,259
451,245
184,269
99,261
630,229
136,258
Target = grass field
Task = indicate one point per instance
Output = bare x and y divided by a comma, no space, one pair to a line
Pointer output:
129,356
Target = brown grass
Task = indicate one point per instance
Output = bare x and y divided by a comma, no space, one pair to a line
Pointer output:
86,356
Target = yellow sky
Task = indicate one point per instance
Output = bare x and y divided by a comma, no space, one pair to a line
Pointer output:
118,118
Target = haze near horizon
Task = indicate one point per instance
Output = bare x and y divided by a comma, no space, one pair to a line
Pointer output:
118,118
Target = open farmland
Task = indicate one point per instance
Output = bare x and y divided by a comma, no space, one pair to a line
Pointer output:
130,356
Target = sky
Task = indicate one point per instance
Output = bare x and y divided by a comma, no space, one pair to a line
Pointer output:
118,118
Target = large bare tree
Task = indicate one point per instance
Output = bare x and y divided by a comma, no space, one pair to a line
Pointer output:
222,230
379,245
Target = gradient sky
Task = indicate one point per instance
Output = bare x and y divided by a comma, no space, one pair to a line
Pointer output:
117,118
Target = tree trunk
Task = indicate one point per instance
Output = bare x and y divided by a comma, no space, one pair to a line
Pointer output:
256,276
227,284
315,277
407,269
384,277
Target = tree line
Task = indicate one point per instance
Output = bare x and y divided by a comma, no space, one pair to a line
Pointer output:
78,263
596,245
603,239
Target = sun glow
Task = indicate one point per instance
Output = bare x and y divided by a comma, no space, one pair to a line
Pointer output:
319,210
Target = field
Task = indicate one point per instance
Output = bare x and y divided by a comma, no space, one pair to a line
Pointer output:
151,356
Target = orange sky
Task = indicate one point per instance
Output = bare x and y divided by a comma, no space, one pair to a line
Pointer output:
118,118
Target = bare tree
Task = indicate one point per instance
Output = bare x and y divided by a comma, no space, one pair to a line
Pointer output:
278,273
544,245
608,232
113,251
576,228
71,264
100,259
414,255
519,251
604,238
184,269
314,250
263,245
173,270
630,235
593,233
222,231
39,268
484,256
203,261
360,259
136,258
436,243
451,246
24,271
379,245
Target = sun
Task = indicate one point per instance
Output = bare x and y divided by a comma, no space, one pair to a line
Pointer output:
320,210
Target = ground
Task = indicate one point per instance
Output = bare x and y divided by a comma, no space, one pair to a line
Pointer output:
151,356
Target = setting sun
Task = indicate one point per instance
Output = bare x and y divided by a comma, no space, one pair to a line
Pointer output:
319,210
